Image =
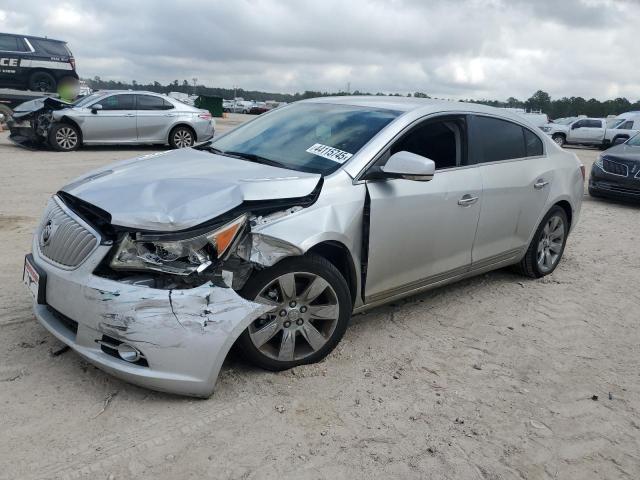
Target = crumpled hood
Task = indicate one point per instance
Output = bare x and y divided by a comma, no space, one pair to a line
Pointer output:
180,189
40,103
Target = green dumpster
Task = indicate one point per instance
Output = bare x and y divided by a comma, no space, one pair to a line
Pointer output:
213,104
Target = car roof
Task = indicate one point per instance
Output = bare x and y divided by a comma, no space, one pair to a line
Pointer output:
33,37
409,104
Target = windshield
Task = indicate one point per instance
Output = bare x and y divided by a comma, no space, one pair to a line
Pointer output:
564,121
81,102
634,141
312,137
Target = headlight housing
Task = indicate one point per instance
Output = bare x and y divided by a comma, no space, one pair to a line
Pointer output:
178,256
598,162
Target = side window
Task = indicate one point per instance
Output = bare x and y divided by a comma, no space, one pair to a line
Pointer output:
9,43
533,144
117,102
578,124
150,102
626,125
50,47
498,139
442,141
593,123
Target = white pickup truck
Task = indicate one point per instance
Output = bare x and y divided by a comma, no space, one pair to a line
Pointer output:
599,132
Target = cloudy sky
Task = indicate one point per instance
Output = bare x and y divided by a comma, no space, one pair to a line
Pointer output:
446,48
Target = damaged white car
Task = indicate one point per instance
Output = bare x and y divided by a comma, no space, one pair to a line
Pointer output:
271,236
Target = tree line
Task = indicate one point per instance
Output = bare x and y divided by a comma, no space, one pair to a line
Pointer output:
539,101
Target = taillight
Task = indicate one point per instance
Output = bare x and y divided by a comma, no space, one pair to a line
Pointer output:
582,170
72,61
205,115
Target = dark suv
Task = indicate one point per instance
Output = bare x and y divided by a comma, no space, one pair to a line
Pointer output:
34,63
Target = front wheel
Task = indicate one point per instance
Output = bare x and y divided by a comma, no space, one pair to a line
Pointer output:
311,309
64,137
559,139
547,246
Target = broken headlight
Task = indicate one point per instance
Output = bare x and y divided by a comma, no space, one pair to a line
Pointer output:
165,253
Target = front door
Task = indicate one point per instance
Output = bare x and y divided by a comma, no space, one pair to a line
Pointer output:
422,232
115,122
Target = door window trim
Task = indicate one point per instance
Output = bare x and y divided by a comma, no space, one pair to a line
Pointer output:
427,118
476,153
18,39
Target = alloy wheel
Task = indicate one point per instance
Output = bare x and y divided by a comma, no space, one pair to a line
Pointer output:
550,243
559,140
304,316
183,138
66,138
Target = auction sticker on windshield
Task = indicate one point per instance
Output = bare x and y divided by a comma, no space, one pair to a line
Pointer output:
330,153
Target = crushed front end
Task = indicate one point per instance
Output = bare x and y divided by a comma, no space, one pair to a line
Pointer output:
158,310
31,121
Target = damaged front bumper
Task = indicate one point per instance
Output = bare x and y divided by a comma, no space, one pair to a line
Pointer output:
183,336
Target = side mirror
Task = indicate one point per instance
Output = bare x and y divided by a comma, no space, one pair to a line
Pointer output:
406,165
95,107
619,140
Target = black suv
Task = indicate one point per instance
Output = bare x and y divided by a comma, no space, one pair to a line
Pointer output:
34,63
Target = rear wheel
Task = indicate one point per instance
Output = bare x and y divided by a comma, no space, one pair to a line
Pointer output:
311,309
64,137
182,137
42,82
547,246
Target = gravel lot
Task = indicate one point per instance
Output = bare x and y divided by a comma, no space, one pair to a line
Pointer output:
495,377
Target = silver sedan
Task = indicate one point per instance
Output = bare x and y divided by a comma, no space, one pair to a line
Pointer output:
273,235
127,117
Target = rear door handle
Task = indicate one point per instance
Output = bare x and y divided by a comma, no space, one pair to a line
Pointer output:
467,200
540,184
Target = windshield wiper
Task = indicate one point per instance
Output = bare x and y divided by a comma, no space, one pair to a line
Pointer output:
252,157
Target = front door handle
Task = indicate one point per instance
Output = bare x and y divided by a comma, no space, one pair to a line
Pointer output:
467,200
540,184
129,114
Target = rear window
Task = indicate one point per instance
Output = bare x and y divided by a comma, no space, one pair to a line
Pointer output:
50,47
499,139
533,144
150,102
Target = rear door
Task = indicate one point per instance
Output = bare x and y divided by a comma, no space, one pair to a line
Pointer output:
422,232
114,123
12,51
154,117
516,178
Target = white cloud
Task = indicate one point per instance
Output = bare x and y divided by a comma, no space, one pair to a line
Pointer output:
456,49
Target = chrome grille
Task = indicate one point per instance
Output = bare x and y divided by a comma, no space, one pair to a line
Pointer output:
615,168
62,238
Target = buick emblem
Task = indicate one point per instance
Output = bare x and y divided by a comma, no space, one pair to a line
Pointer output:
45,234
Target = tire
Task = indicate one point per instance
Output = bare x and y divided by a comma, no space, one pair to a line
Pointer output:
64,137
182,137
543,240
7,112
559,139
294,333
42,82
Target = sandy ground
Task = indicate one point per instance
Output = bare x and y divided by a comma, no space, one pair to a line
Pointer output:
491,378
